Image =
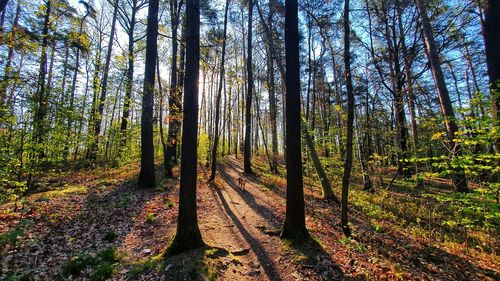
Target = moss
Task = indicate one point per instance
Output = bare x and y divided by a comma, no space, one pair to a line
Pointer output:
103,271
170,203
77,189
76,264
110,235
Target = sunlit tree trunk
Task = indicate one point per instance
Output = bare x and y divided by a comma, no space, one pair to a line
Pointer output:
459,180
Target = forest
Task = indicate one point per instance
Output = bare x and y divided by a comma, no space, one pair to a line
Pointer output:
249,140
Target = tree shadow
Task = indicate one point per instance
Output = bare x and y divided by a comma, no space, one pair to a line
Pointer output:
258,249
314,259
85,222
417,256
263,211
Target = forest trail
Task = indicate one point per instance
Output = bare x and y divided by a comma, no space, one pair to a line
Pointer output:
93,221
246,223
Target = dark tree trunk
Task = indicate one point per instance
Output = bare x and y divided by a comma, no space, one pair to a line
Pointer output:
3,4
248,113
188,234
147,174
273,111
350,121
42,93
218,97
294,226
492,42
458,178
10,56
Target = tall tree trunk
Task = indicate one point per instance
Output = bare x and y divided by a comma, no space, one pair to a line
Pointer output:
218,97
350,121
174,103
294,226
3,4
188,234
104,86
492,43
42,93
248,113
10,56
129,82
323,178
147,174
458,178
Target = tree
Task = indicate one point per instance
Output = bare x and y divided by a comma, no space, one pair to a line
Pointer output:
458,178
174,103
188,234
3,4
42,93
294,226
492,43
104,86
128,23
147,174
248,106
219,94
350,120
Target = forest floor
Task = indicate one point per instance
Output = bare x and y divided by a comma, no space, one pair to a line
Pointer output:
97,225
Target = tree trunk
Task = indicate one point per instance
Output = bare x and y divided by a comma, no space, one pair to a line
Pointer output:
188,234
248,108
174,103
492,42
104,86
147,174
10,56
130,80
294,226
350,121
325,183
218,97
41,94
459,180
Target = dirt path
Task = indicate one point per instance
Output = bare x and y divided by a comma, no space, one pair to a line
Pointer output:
246,222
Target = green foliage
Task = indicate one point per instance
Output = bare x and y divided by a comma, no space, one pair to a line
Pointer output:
110,235
12,237
75,265
475,210
21,276
170,203
102,264
150,217
102,272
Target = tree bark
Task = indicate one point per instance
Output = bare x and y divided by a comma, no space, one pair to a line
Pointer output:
248,113
104,86
218,97
174,103
492,43
325,183
350,121
130,80
294,226
147,174
458,178
188,234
